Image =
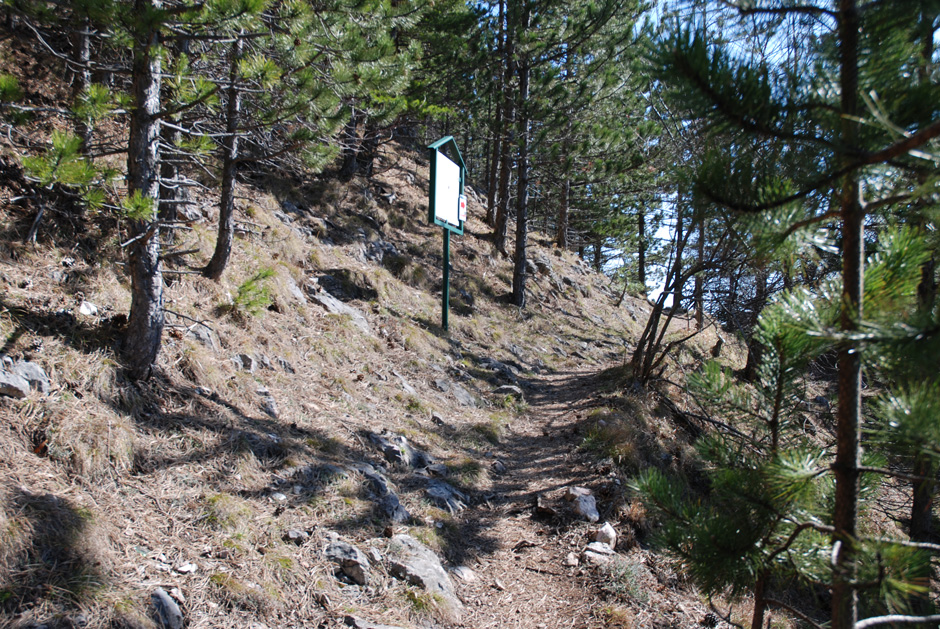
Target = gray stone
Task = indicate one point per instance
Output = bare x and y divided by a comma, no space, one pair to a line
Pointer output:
464,397
410,390
286,366
352,561
295,291
571,560
606,535
359,623
584,503
393,510
12,385
33,374
268,404
397,450
598,554
204,336
334,306
296,536
88,309
245,362
388,503
412,561
498,467
447,497
167,611
508,390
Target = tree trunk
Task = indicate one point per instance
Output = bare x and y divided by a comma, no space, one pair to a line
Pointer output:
350,151
522,190
223,243
760,602
848,417
145,321
505,159
641,249
700,276
493,172
81,53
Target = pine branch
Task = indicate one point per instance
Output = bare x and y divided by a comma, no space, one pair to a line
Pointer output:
896,619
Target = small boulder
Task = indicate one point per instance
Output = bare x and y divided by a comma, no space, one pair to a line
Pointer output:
167,611
352,561
598,554
606,535
447,497
412,561
33,374
508,390
12,385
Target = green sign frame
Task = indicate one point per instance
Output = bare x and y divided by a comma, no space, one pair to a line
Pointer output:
442,181
437,152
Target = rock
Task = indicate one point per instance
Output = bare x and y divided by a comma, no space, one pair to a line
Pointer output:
33,374
598,554
12,385
296,536
278,497
351,560
88,309
586,507
335,306
463,396
438,419
584,503
286,366
822,402
186,568
503,370
204,336
397,450
412,561
268,404
508,390
464,573
572,493
447,497
167,611
388,503
245,362
572,560
359,623
410,390
498,467
606,535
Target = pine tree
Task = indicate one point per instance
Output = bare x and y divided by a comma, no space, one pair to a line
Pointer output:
805,136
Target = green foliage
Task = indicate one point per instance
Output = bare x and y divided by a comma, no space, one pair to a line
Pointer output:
253,294
139,207
10,90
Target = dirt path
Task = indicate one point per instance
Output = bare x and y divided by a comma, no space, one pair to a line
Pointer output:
519,557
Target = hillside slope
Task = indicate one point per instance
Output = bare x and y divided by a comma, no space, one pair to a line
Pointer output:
277,422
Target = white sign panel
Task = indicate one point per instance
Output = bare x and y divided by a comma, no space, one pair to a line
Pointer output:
447,191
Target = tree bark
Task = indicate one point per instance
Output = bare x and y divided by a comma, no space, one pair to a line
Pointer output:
641,249
505,159
145,321
848,417
223,243
522,190
81,52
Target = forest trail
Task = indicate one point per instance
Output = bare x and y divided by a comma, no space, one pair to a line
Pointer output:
519,556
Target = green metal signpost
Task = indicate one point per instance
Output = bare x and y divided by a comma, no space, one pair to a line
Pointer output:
447,204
